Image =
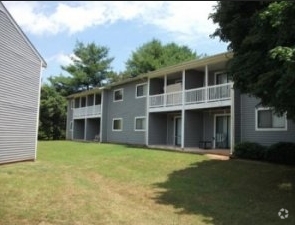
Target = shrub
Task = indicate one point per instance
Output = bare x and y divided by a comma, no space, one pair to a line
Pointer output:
249,150
281,152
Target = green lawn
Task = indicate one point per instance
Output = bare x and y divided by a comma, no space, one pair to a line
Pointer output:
89,183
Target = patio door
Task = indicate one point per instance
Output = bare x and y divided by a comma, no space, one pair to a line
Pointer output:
177,131
222,131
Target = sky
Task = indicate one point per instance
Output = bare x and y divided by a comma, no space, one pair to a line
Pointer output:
54,27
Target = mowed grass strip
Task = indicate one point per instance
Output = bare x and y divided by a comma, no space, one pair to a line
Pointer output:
90,183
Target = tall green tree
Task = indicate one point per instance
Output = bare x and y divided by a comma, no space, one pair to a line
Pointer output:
52,119
262,38
90,66
154,55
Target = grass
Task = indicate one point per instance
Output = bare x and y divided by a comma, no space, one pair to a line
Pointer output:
90,183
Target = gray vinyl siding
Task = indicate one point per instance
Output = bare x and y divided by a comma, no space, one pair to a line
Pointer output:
157,129
69,120
193,128
248,132
20,69
127,109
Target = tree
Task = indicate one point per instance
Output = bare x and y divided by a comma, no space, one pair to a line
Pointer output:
52,118
262,38
154,55
90,67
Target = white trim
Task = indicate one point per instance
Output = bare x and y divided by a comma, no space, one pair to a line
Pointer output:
142,84
139,117
120,89
269,129
121,124
214,126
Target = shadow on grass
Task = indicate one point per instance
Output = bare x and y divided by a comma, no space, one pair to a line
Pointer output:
231,192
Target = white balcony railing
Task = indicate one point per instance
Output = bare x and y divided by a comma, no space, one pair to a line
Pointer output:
85,112
219,92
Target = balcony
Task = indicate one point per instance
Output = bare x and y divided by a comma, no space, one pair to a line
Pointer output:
87,112
204,97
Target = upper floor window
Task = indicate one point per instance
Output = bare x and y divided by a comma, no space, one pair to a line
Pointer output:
118,95
267,120
141,90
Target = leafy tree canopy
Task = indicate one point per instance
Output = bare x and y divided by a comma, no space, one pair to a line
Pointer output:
262,37
52,114
89,69
154,55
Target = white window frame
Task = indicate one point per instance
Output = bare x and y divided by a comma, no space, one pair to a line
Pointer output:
142,84
114,124
269,129
120,100
139,117
71,125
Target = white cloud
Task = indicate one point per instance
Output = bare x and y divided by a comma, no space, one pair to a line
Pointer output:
61,58
183,19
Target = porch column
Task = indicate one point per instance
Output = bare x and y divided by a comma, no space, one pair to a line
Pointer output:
232,113
147,113
206,83
182,111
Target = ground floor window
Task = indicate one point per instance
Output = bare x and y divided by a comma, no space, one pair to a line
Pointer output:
117,124
266,119
139,124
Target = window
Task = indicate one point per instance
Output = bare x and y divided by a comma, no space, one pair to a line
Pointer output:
266,120
118,95
139,124
141,90
117,124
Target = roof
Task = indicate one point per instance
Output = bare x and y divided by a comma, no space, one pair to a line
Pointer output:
44,64
166,70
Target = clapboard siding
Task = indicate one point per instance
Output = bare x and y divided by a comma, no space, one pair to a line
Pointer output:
20,68
127,109
248,132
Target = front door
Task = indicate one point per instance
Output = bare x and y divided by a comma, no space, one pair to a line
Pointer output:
177,130
222,131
